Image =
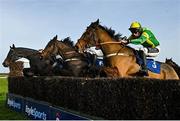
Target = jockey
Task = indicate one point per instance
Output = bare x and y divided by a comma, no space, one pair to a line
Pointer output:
97,55
143,36
95,51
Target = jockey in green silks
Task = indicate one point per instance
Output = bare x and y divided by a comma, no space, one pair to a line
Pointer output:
145,37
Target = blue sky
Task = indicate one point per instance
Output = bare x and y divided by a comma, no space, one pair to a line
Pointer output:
32,23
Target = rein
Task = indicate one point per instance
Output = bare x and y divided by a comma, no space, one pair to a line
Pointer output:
72,59
103,43
70,52
67,53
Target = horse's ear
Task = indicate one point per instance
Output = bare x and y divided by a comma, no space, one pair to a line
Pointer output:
55,38
13,46
170,59
97,22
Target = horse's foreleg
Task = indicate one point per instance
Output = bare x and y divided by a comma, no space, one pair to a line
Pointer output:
109,72
133,69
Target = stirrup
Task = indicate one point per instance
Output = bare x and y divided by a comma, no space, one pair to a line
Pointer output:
144,73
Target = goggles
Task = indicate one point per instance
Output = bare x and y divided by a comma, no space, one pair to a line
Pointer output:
133,30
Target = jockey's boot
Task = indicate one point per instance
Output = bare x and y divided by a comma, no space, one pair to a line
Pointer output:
94,59
143,70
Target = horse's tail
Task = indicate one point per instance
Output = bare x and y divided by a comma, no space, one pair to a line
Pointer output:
175,67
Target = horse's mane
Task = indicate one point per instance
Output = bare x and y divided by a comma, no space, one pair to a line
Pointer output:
171,62
68,41
111,32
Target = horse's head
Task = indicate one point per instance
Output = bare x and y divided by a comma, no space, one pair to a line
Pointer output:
50,49
56,47
168,60
171,62
11,57
96,35
89,37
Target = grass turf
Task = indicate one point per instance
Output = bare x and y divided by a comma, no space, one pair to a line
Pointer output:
6,113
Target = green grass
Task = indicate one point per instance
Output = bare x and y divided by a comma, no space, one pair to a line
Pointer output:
6,113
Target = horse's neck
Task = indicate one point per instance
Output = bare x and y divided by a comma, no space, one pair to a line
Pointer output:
65,51
27,53
113,47
105,41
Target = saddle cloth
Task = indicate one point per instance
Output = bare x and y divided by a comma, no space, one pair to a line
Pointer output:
153,66
99,62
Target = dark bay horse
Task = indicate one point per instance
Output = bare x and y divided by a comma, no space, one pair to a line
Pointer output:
117,55
38,66
74,63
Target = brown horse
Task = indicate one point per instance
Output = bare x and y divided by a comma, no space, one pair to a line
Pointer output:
74,63
174,65
117,55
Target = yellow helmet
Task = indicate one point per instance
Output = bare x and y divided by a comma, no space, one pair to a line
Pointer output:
135,25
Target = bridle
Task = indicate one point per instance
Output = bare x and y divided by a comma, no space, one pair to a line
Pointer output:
15,56
62,53
96,39
86,41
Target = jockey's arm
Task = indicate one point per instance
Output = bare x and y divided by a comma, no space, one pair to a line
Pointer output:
139,40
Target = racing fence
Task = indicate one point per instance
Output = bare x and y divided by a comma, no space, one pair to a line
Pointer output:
108,98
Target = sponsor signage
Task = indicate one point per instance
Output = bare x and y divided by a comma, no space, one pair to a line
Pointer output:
38,110
15,102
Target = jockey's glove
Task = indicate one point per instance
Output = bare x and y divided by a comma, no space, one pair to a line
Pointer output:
125,41
124,38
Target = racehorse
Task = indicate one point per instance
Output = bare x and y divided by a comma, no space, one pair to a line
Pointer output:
16,69
38,66
174,65
74,63
117,55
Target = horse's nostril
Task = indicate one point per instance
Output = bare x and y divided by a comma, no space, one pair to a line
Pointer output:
4,64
